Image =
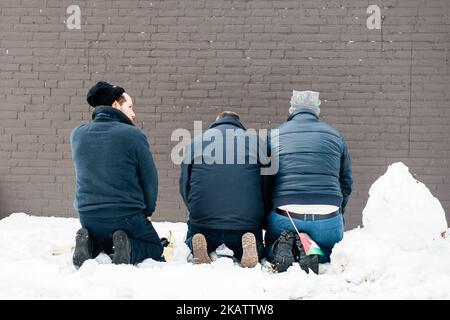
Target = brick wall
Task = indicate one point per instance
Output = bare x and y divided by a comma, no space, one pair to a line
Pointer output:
387,90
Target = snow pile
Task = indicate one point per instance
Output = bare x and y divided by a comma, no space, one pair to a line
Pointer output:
397,255
401,249
402,211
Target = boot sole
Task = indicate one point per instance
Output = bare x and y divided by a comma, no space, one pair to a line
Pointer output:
200,249
249,252
121,248
282,261
310,262
81,252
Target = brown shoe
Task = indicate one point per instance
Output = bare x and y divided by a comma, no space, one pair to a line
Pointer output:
249,252
200,249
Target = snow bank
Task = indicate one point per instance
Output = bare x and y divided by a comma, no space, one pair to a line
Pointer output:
396,255
400,247
402,211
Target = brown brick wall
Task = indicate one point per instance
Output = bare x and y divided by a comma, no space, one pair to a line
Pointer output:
387,90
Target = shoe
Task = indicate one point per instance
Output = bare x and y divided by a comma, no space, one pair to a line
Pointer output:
122,248
283,256
249,252
306,262
200,249
83,248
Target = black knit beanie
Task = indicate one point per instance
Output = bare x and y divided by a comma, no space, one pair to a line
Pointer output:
103,94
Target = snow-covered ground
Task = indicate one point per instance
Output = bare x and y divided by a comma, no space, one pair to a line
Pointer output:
398,254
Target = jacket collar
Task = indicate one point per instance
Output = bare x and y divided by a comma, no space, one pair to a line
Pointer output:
227,120
106,112
302,111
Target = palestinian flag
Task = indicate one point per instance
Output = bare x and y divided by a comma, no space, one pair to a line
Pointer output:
309,245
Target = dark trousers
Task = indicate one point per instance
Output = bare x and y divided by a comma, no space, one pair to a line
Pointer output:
144,240
231,238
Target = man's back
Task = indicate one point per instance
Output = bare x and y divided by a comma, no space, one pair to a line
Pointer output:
313,160
105,153
224,196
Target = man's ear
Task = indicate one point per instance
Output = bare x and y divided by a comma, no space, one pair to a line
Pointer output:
115,104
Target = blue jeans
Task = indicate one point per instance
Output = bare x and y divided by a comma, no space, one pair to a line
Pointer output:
144,240
231,238
326,233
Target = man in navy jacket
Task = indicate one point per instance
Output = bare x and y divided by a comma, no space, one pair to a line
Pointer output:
223,191
312,185
116,182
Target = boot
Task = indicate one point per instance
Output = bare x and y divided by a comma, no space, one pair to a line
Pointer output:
306,262
83,248
283,257
122,248
200,249
249,252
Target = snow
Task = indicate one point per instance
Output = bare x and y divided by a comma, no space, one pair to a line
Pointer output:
397,199
398,254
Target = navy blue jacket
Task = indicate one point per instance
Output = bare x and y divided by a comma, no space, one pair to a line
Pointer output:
223,196
314,163
115,171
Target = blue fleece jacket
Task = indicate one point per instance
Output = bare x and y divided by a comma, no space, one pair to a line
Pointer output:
115,171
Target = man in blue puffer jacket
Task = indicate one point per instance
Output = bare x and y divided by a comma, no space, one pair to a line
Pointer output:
312,185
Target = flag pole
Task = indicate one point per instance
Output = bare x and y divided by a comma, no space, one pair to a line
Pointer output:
299,236
292,221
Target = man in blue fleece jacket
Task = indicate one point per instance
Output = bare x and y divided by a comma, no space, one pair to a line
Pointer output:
116,182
